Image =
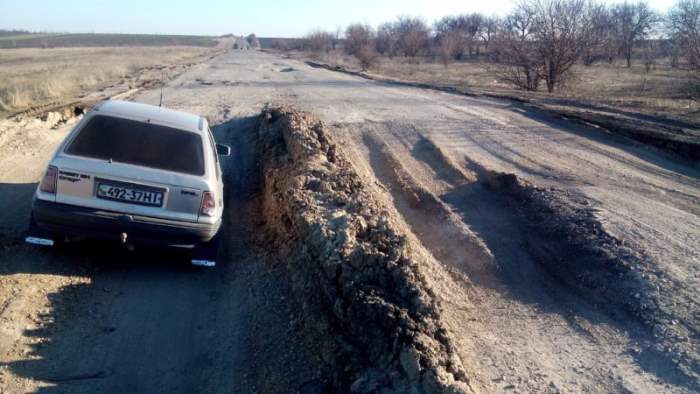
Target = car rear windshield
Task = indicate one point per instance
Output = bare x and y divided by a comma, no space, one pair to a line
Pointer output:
140,143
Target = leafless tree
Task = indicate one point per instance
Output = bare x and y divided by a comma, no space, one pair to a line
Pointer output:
319,41
473,24
412,36
449,46
649,55
337,35
601,43
542,40
360,41
358,36
684,28
488,30
563,29
633,23
464,31
386,39
450,38
514,52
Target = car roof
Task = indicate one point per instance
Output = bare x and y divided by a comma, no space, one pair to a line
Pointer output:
146,112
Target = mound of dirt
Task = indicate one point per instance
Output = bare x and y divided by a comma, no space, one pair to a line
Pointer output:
566,237
364,292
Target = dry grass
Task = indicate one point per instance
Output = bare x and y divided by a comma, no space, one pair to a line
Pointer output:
663,91
33,77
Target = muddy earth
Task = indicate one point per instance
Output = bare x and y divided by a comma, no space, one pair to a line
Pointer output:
384,238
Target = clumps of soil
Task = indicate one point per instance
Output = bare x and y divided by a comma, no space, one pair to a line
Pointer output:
564,235
364,294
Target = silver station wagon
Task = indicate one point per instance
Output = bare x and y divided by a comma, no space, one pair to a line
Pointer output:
134,173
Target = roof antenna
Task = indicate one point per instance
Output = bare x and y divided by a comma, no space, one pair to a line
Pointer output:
162,82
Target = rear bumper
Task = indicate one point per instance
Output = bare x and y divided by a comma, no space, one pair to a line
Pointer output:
72,220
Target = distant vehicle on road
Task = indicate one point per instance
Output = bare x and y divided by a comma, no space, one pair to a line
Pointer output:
134,173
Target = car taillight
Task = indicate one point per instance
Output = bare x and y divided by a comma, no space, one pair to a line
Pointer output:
208,204
48,182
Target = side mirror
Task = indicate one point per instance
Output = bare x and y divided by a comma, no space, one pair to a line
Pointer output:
223,150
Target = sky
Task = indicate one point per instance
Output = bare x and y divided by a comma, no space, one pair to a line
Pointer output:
266,18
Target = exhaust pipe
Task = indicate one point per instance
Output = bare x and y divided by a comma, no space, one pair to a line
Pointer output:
122,239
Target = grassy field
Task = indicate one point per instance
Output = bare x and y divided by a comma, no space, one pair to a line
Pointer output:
663,91
32,77
50,40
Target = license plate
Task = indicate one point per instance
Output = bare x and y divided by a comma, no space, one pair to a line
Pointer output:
130,195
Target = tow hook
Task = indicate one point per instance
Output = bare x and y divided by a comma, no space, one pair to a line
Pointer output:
122,239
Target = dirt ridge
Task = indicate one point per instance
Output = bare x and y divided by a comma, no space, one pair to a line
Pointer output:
353,261
438,223
571,244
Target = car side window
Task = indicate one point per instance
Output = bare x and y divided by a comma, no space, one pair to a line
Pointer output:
215,153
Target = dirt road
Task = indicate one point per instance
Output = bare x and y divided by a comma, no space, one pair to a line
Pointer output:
100,319
92,317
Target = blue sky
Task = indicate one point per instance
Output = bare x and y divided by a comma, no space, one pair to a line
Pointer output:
284,18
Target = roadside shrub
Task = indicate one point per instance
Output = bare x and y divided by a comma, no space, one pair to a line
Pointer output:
358,36
319,41
412,36
367,56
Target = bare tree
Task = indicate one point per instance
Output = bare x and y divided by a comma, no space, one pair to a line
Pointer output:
563,29
489,30
449,46
649,55
473,24
514,53
358,36
412,36
684,28
319,41
386,39
633,23
464,31
449,38
360,41
601,43
337,34
543,40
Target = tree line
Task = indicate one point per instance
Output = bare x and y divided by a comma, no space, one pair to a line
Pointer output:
537,43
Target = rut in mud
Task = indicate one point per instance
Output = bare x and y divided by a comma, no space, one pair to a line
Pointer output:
496,231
